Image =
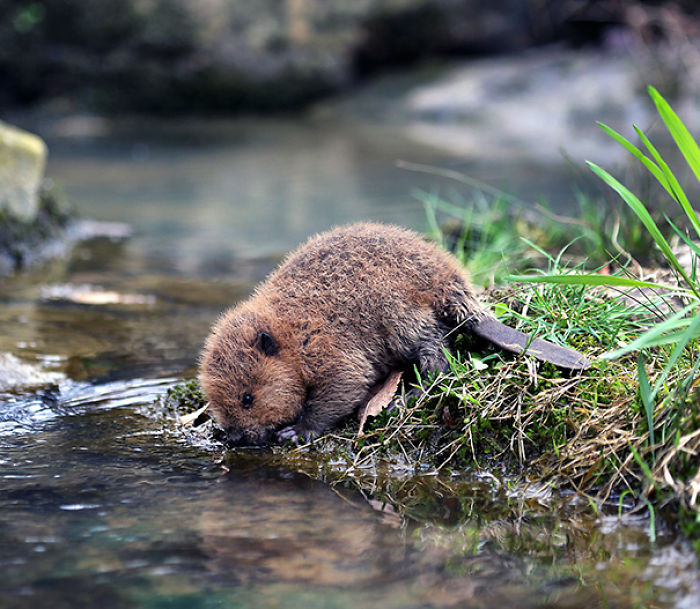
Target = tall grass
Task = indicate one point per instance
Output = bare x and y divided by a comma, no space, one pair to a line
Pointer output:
671,418
683,327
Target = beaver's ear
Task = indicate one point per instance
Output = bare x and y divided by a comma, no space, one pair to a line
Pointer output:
267,344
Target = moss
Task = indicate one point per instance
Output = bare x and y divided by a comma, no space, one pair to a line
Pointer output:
187,396
22,242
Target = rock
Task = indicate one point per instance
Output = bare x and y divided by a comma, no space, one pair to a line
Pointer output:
17,375
26,243
542,102
22,161
536,109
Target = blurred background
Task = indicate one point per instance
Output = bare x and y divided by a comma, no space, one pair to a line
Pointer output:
223,129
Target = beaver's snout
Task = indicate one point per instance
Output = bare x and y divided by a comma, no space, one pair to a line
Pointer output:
236,437
233,437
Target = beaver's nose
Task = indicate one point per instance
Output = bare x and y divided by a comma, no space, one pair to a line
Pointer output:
233,437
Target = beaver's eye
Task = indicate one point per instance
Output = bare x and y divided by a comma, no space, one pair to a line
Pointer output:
247,400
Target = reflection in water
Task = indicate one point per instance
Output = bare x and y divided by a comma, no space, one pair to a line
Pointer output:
125,513
150,325
108,502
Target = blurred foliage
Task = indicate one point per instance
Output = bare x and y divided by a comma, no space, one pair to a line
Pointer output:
232,55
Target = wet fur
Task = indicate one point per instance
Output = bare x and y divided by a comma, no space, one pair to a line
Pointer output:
340,313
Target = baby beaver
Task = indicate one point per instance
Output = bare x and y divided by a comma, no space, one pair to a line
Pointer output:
329,325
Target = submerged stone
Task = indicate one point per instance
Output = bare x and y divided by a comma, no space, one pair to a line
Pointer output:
22,162
16,375
34,227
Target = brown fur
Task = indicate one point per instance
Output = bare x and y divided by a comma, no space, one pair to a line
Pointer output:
327,327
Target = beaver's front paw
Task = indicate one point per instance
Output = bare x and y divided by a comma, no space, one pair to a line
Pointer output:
295,434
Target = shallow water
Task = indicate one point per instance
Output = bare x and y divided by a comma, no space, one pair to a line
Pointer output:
241,189
105,500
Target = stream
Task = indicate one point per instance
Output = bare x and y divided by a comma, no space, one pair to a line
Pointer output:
106,501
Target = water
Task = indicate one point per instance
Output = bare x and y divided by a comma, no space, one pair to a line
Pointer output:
106,501
102,505
245,189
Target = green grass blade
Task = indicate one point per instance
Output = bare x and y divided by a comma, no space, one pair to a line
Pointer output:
685,142
663,333
674,187
429,204
669,339
642,464
640,156
594,280
691,332
694,247
456,211
538,249
647,397
638,207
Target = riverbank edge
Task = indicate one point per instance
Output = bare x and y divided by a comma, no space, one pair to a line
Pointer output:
493,414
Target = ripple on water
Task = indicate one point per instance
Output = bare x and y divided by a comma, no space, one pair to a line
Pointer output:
20,414
32,412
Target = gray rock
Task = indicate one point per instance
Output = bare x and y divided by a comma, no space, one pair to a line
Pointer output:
532,106
22,161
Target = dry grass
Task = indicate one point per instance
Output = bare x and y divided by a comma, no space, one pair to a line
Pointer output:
585,432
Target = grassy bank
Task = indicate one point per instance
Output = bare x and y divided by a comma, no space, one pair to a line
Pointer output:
629,427
494,412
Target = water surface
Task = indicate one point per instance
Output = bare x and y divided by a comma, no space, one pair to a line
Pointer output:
202,195
107,501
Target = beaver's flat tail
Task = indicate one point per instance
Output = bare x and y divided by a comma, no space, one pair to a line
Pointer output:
518,342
